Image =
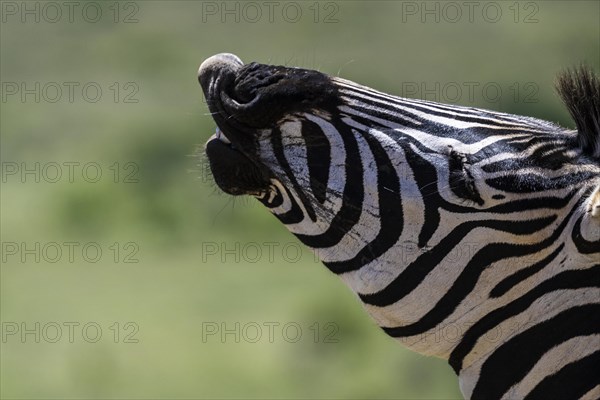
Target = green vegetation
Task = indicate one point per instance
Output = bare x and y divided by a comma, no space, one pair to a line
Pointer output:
155,203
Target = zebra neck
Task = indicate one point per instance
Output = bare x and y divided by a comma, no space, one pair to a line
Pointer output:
457,228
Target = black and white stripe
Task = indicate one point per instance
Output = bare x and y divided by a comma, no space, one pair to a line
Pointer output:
470,235
453,219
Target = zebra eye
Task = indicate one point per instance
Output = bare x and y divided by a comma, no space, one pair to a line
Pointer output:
461,180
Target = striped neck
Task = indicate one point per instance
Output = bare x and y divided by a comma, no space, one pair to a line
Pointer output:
434,215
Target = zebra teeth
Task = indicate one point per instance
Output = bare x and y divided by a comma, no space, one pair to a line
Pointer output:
221,136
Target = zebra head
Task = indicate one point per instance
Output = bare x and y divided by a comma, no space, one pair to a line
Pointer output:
258,108
351,171
282,139
439,217
288,137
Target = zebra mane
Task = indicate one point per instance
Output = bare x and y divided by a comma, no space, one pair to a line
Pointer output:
579,89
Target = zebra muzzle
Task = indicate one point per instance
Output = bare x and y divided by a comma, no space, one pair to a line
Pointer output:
248,102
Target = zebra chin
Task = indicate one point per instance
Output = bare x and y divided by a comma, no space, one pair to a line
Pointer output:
233,172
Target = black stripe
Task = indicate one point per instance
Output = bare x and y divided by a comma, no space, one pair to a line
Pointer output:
294,215
550,157
394,116
462,287
510,118
512,280
390,211
426,179
467,135
415,272
584,246
352,200
478,118
425,176
500,371
572,279
519,144
536,203
508,164
277,144
528,183
318,158
571,382
516,146
470,274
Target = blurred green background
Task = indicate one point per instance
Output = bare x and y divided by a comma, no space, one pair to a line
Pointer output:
179,260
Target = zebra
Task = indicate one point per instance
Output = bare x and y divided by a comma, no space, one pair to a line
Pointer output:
387,190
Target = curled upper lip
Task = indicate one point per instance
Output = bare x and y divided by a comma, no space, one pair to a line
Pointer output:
232,150
217,76
215,66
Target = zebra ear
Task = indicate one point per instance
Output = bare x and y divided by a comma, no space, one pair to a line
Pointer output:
579,89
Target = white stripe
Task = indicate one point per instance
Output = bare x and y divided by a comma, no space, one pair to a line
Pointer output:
335,185
441,144
377,274
383,122
337,171
593,394
517,122
369,222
